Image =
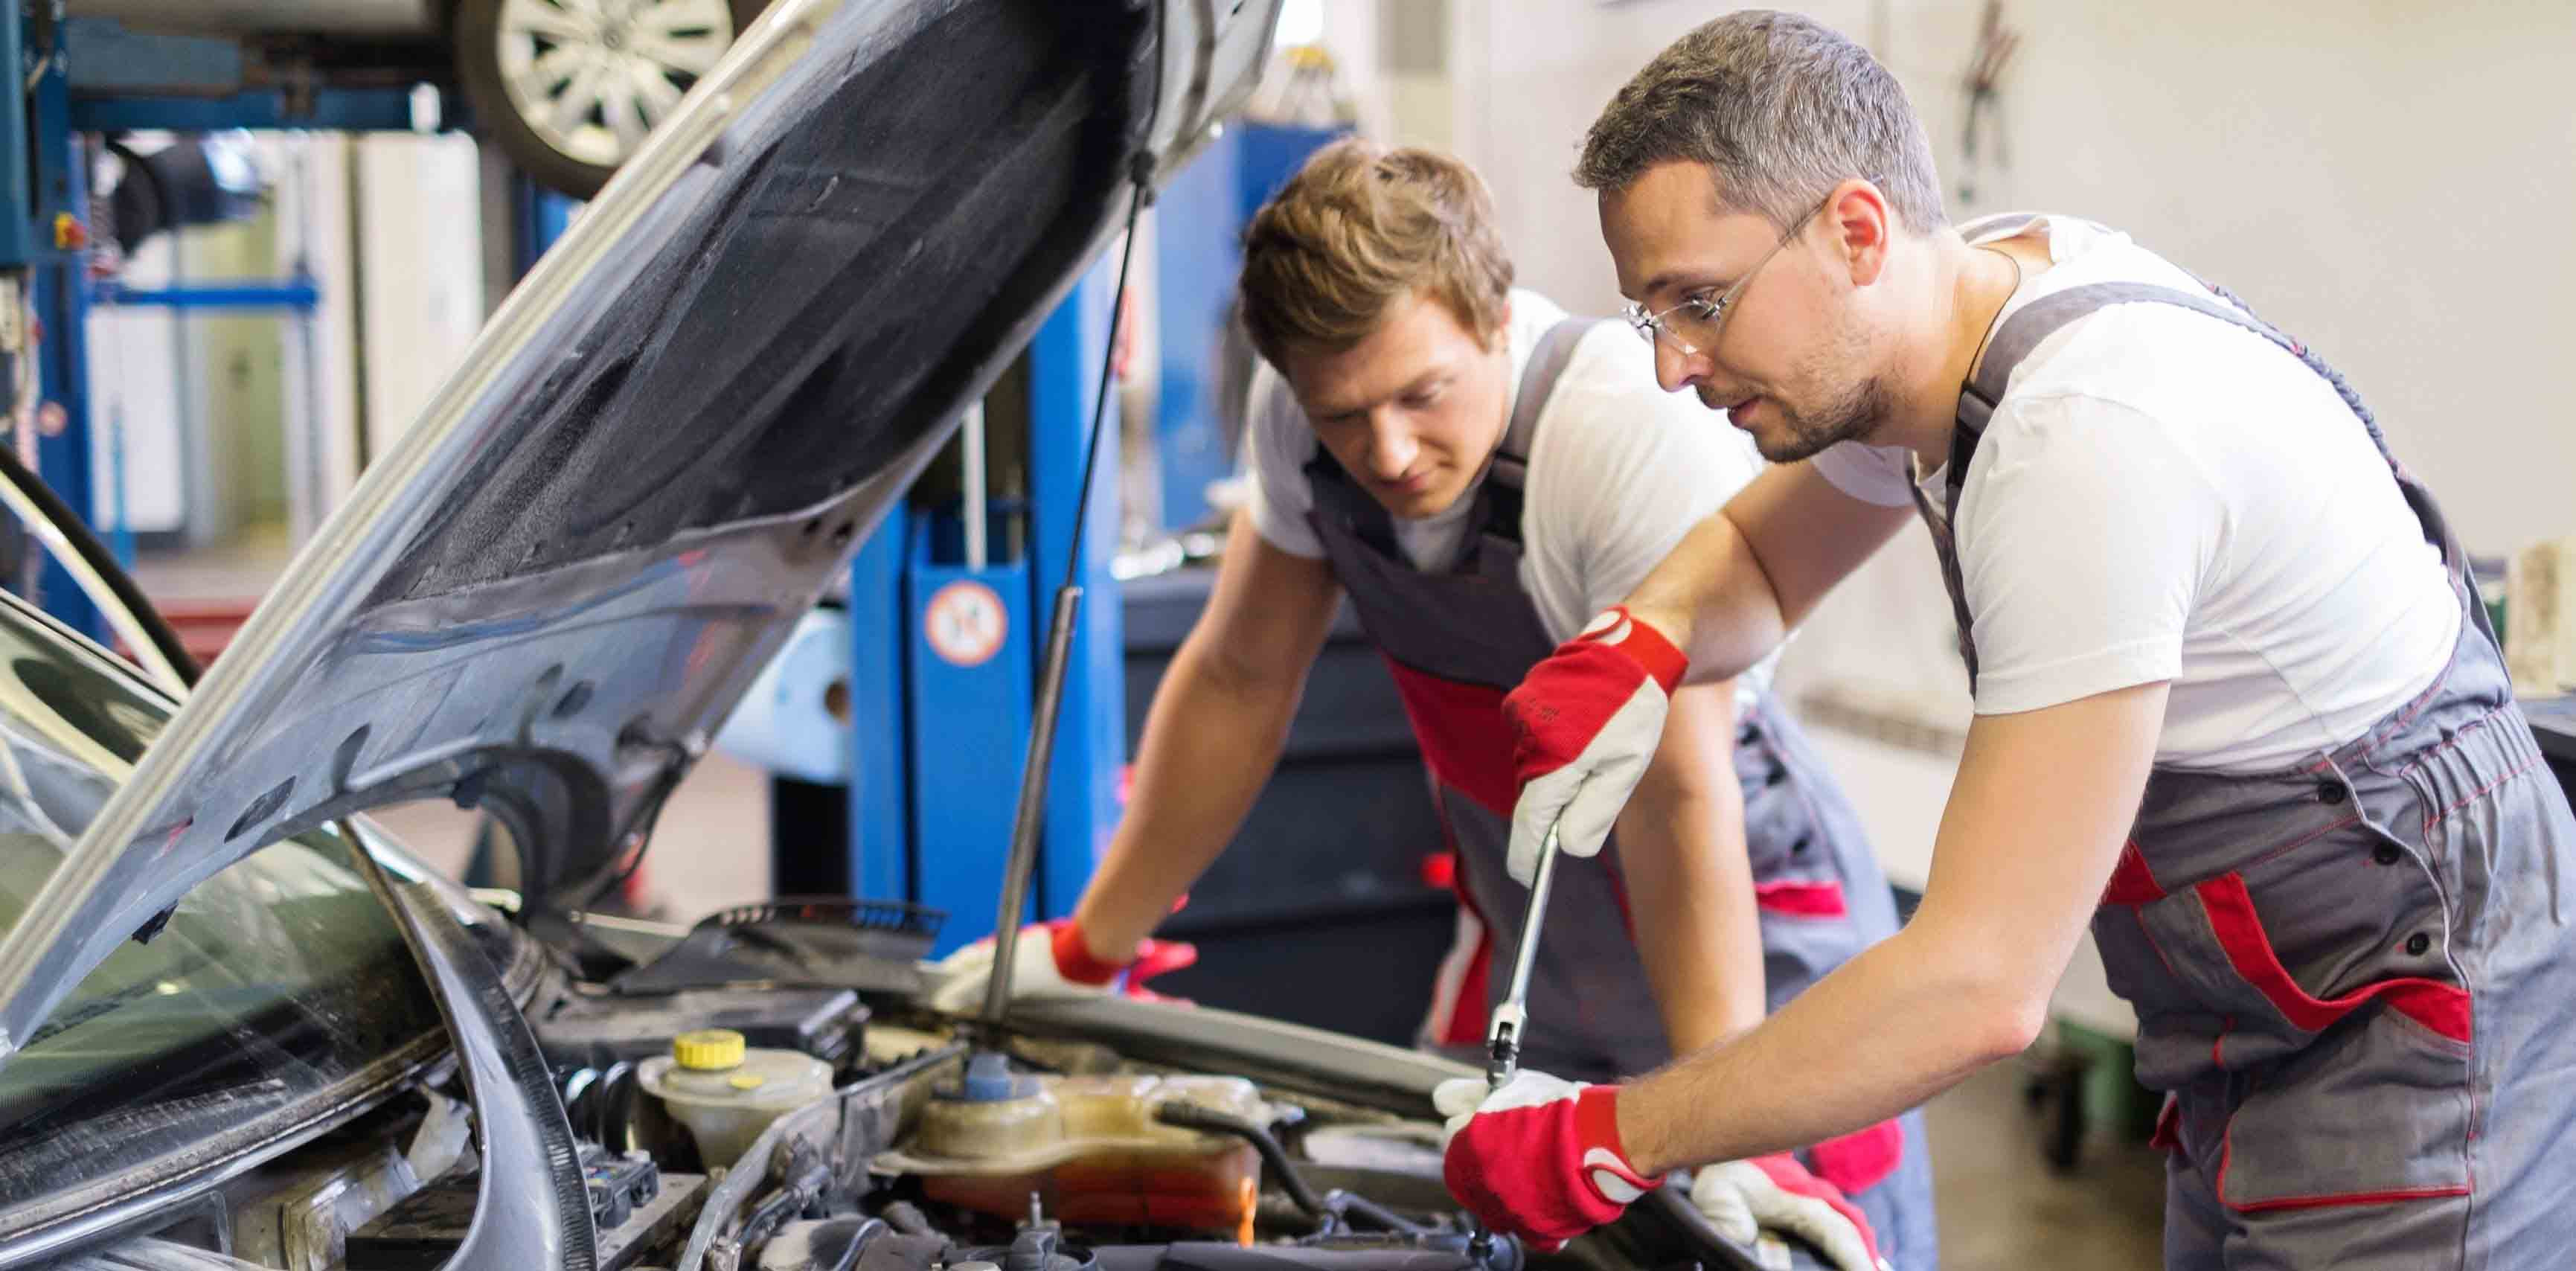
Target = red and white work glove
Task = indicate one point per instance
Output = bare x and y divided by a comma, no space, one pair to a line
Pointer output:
1539,1158
1743,1199
1051,961
1585,723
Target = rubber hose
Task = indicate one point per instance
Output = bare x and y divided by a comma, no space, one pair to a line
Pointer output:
1348,1203
1190,1116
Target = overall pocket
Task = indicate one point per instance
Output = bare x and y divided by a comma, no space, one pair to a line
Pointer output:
2353,1092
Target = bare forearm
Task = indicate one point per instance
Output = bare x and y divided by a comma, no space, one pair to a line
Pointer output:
1208,747
2035,819
1888,1030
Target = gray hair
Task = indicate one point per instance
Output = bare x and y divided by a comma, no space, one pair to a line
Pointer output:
1781,108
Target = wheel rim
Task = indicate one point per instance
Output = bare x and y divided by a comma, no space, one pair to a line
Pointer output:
592,77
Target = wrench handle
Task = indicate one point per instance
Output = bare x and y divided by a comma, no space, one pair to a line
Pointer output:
1511,1019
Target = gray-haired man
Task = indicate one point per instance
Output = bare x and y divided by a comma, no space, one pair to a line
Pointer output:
2235,703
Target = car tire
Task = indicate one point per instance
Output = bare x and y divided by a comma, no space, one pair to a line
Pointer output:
490,37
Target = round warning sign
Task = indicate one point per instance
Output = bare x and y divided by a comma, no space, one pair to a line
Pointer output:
965,623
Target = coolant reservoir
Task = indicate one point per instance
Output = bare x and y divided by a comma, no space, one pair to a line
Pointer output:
726,1092
1088,1147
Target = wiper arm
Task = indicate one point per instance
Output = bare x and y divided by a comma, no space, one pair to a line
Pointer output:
519,1123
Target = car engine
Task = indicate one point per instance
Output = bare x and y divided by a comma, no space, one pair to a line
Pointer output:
913,1150
764,1094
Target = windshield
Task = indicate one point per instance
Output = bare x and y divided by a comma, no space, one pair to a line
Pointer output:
277,987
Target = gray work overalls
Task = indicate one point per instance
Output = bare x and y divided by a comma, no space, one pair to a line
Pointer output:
1457,641
2353,977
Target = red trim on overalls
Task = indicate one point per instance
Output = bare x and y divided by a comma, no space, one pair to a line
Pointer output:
1796,899
2229,904
1460,728
2337,1200
1466,745
2443,1008
1467,1011
2131,881
2168,1132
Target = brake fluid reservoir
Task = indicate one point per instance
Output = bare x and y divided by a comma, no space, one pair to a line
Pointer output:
1088,1147
726,1092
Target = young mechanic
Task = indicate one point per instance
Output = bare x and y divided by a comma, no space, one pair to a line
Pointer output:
1478,473
2236,702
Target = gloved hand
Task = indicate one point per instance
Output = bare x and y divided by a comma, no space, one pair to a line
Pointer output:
1539,1158
1585,723
1050,961
1776,1193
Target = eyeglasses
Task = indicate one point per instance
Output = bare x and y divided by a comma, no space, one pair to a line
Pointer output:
1698,320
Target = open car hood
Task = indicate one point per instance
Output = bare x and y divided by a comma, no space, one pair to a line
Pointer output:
665,444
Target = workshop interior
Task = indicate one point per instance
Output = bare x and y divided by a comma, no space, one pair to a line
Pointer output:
565,557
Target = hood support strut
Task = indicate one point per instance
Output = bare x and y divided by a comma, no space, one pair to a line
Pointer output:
1031,815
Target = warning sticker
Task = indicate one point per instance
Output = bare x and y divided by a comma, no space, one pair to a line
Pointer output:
965,623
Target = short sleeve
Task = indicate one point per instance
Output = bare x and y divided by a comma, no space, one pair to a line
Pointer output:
2085,537
1876,475
1678,471
1278,443
1622,472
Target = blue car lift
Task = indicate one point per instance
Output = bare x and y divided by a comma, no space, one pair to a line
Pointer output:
939,740
940,728
938,745
92,76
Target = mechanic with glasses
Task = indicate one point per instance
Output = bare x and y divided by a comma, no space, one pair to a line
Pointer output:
1479,473
2236,702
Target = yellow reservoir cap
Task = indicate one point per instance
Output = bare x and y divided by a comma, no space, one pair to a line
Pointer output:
708,1050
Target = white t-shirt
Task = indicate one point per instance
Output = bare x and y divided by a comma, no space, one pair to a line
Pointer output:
2163,496
1620,471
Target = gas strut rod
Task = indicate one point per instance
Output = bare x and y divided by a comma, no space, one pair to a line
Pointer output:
1050,700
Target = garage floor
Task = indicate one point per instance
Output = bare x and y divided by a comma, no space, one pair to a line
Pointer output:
2001,1209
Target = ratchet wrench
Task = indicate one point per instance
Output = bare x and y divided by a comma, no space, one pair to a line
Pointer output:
1511,1019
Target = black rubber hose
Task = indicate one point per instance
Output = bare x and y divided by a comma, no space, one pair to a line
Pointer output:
1193,1117
100,560
1347,1203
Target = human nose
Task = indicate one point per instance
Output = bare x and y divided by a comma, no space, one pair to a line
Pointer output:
1391,447
1677,369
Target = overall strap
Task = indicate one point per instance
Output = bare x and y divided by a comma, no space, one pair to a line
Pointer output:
2043,317
2025,330
1509,472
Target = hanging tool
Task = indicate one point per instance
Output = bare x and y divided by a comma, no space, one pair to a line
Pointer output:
1996,44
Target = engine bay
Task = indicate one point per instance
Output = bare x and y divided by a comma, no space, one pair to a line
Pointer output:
766,1091
927,1152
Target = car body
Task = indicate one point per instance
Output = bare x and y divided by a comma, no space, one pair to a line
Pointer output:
240,1028
569,88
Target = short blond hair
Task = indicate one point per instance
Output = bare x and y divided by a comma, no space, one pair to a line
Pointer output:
1360,227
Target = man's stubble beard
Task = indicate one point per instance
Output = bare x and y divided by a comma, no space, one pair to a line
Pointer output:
1855,415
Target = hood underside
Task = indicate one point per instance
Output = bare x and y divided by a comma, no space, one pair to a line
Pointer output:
664,446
